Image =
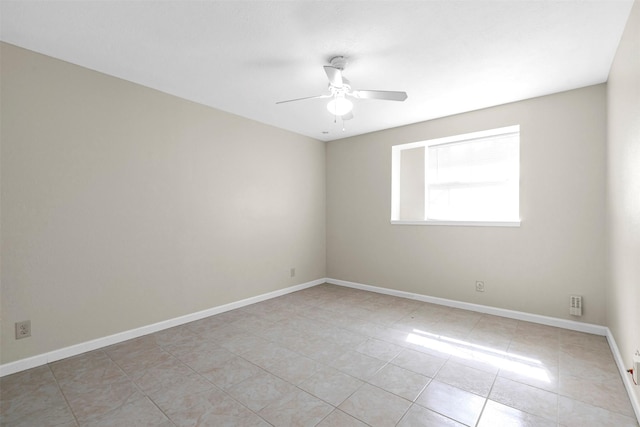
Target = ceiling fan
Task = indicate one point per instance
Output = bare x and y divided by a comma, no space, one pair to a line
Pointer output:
340,89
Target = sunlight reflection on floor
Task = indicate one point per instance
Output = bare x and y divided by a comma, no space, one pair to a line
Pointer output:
500,359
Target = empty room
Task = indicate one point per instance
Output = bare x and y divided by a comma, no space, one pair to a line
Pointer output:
320,213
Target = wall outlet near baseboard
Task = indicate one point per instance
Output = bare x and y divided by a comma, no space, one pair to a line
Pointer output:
23,329
292,272
479,286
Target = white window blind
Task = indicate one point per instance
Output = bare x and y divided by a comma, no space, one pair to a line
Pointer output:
473,178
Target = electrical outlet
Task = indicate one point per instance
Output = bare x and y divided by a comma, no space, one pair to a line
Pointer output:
575,305
479,286
23,329
293,272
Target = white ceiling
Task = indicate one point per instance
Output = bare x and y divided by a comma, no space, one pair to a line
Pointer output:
243,56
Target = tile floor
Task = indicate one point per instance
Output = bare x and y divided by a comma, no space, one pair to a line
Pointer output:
331,356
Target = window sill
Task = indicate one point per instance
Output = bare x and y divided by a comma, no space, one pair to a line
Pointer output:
460,223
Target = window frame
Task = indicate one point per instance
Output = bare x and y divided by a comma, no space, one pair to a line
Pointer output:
396,151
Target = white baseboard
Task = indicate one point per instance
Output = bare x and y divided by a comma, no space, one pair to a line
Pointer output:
52,356
626,377
74,350
512,314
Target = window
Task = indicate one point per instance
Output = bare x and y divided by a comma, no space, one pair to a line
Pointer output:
471,179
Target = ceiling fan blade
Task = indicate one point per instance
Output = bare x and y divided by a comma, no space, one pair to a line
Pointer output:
302,99
334,75
380,94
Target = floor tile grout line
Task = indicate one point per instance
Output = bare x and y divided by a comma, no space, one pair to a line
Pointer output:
144,393
240,355
493,383
64,396
524,410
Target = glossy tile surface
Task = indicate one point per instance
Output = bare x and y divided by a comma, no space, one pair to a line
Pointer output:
331,356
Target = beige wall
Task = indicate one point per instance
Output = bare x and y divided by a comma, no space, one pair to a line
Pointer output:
123,206
559,249
623,153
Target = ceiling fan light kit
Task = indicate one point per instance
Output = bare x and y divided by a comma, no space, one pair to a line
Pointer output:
340,89
339,106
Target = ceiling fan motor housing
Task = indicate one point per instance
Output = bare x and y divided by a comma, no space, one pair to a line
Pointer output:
338,62
340,90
